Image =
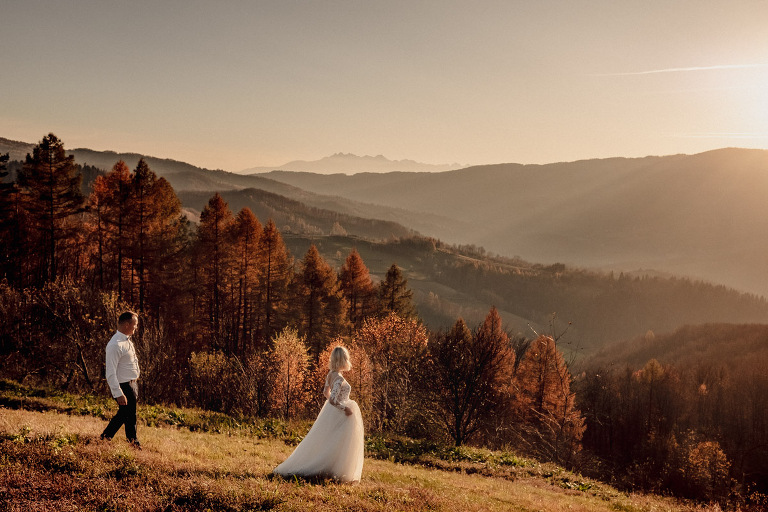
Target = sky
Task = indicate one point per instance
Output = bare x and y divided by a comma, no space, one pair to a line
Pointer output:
233,84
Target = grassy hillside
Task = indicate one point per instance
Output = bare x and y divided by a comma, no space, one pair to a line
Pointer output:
53,460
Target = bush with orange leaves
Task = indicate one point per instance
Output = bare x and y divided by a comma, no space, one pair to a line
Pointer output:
396,349
290,365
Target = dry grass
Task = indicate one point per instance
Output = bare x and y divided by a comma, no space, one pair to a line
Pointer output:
54,461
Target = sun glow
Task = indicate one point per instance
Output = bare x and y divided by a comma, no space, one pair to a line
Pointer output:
749,95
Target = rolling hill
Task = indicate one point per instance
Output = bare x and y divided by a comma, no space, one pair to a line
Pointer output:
603,309
293,216
701,215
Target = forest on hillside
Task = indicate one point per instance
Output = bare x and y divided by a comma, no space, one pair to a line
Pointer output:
231,321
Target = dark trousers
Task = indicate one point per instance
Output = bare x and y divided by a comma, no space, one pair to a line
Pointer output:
126,414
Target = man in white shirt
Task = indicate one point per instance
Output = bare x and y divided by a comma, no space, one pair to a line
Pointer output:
122,371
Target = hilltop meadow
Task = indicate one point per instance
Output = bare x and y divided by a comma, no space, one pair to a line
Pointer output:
51,459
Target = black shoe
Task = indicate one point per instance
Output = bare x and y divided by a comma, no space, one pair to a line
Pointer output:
135,443
105,438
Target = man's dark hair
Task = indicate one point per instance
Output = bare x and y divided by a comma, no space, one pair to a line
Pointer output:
126,317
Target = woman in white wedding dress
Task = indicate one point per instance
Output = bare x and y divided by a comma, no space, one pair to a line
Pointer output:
334,446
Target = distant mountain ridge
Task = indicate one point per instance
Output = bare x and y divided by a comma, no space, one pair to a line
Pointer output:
701,215
348,163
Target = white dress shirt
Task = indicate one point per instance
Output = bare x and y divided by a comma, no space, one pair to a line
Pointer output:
122,365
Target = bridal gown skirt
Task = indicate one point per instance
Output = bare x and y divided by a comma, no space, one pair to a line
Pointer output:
333,448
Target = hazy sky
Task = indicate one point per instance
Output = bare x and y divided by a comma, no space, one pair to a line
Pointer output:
235,84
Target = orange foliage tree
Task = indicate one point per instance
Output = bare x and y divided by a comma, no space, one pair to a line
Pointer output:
396,348
247,231
110,211
154,225
290,363
213,254
275,276
551,425
358,288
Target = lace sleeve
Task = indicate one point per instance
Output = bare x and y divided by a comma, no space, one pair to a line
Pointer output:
336,398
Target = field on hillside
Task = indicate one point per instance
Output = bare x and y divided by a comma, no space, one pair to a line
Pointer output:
53,460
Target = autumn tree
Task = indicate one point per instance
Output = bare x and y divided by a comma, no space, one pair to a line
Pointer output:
394,294
396,348
110,209
213,257
154,224
320,303
358,288
247,231
544,403
469,375
275,276
51,184
291,366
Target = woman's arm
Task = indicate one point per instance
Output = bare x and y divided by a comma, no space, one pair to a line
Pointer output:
333,399
327,386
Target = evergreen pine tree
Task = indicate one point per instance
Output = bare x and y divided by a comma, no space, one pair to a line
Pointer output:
395,296
51,184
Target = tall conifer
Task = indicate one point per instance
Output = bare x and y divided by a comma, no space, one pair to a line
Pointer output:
275,277
395,296
51,183
213,259
109,204
320,302
545,405
470,375
358,288
250,257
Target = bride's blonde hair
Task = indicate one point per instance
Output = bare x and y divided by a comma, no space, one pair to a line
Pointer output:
339,360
